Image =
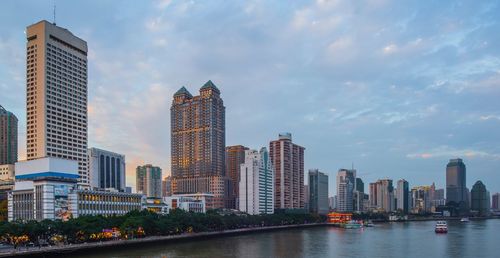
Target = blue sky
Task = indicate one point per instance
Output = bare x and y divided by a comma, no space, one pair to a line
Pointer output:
397,88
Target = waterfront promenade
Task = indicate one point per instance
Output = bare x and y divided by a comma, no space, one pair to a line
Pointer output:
72,248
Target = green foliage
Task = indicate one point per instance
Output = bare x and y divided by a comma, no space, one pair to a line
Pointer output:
140,223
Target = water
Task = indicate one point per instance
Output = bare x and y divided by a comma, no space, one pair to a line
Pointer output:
412,239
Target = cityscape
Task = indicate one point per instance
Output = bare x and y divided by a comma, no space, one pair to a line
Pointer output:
210,185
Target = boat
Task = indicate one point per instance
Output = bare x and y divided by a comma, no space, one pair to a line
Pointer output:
464,219
441,227
369,224
353,225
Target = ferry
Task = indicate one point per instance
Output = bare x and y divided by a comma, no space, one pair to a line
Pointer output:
353,225
464,219
441,227
369,224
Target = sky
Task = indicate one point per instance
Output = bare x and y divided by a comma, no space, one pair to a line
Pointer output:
393,88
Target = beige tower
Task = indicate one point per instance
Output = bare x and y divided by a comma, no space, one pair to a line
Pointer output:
56,95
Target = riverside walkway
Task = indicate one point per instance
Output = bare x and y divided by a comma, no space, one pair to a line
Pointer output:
70,248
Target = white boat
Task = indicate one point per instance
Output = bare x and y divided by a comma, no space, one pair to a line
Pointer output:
441,227
464,220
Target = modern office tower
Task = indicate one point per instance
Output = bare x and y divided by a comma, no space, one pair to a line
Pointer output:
359,195
235,156
106,169
288,162
346,180
256,186
318,192
495,202
56,95
167,186
456,190
148,180
480,199
198,138
402,192
8,137
421,199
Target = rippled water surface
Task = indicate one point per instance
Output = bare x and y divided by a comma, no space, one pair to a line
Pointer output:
412,239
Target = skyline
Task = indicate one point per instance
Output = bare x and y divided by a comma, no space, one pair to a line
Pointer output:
351,126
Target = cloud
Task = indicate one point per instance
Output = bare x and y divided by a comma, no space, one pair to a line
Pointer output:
449,152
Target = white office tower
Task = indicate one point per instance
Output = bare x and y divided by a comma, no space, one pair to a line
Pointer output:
256,187
56,95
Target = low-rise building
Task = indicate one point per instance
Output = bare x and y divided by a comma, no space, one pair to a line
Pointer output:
106,203
188,202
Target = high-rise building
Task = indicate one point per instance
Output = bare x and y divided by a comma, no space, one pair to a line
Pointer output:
382,195
198,138
256,186
480,199
235,156
288,162
346,180
106,169
8,137
167,186
421,197
402,198
359,195
456,190
495,202
318,192
148,180
56,95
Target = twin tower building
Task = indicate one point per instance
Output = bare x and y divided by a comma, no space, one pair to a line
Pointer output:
250,180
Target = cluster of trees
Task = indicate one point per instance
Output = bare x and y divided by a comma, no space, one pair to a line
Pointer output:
137,224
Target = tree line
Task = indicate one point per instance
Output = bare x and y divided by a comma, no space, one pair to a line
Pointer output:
137,224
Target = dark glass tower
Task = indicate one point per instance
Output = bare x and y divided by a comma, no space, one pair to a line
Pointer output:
456,190
8,137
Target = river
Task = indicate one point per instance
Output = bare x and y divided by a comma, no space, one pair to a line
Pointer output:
411,239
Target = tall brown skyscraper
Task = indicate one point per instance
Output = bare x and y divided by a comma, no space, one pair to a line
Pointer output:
235,156
56,95
198,138
8,137
288,162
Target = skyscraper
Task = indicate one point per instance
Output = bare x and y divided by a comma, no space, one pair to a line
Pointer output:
456,190
359,195
346,180
382,195
495,202
8,137
56,95
480,199
106,169
235,156
167,186
198,138
318,192
288,163
402,196
148,181
421,199
256,185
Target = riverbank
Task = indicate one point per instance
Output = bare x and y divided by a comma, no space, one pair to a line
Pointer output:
435,219
78,248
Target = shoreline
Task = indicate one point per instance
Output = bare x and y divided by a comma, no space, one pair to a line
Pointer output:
437,219
76,248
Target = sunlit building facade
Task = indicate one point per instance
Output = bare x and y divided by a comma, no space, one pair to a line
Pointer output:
56,95
235,156
288,162
346,180
198,138
148,181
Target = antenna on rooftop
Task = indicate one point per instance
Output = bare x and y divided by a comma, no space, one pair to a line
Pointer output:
54,21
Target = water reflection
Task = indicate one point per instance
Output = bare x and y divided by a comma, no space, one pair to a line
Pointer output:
412,239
